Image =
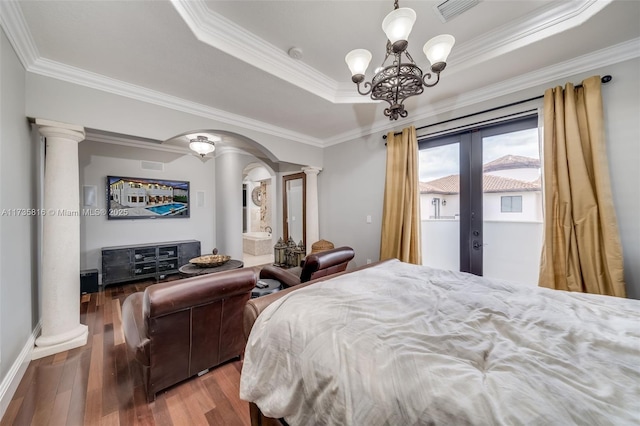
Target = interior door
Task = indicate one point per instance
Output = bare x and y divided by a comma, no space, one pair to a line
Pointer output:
473,184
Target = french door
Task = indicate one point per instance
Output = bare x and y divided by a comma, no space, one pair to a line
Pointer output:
481,200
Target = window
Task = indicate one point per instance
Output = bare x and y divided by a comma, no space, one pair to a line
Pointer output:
485,173
511,204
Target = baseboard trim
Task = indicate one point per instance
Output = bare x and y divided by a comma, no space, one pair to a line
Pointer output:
10,383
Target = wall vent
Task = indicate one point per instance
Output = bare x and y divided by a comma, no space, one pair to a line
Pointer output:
152,165
449,9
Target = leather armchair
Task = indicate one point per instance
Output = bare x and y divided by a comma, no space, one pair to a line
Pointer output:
315,265
177,329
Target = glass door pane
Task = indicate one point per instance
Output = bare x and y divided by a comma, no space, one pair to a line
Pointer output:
512,206
440,206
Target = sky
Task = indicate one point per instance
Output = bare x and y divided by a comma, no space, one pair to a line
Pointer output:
444,160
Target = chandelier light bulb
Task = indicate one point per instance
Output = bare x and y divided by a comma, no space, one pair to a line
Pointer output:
438,48
398,24
358,60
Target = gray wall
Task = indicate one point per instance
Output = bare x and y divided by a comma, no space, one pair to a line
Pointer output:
98,160
351,184
18,254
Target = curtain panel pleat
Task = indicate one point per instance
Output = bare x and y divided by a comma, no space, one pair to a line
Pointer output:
401,209
581,250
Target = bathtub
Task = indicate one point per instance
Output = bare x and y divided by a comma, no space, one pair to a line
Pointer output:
257,243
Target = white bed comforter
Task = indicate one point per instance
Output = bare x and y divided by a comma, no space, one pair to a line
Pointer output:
399,344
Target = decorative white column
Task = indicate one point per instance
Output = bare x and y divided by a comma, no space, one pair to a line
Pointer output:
313,225
228,186
60,292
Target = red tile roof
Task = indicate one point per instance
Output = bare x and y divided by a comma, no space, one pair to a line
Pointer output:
451,185
511,162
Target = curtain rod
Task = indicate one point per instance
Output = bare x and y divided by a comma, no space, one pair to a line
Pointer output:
604,79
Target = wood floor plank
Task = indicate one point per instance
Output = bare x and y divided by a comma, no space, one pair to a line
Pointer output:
71,366
224,409
60,357
230,384
11,412
110,402
111,419
201,393
124,386
144,414
27,379
47,379
93,407
107,314
59,413
118,334
95,368
178,411
190,400
161,412
79,389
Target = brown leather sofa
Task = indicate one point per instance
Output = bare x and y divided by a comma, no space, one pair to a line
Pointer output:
177,329
316,265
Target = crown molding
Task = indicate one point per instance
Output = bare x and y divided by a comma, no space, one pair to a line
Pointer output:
15,27
611,55
542,23
219,32
92,80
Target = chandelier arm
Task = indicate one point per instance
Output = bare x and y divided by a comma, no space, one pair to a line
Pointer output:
366,84
385,59
427,77
406,52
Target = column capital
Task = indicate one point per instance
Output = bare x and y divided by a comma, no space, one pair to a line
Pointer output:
50,129
312,170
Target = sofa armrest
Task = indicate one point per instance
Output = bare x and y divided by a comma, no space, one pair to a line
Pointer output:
166,298
287,278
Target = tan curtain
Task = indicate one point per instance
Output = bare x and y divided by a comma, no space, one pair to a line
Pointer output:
401,210
581,250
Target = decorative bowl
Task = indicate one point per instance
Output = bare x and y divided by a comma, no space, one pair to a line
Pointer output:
210,260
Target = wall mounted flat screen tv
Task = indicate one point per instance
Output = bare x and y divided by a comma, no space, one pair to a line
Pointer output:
142,198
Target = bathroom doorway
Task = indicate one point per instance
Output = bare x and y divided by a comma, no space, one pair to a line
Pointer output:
258,194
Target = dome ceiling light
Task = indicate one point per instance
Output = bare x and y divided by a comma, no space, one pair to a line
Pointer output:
396,82
203,145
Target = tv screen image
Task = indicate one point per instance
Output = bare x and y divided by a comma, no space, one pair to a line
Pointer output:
143,198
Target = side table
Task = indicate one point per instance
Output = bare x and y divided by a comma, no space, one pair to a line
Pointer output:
264,287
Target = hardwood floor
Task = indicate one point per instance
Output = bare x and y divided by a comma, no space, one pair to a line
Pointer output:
98,384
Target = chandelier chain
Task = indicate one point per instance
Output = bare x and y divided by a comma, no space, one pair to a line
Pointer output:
395,4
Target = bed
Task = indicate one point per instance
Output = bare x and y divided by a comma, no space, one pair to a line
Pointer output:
400,344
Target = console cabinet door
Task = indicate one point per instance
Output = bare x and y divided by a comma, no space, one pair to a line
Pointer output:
127,263
188,251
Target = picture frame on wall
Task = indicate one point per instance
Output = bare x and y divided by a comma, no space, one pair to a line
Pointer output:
145,198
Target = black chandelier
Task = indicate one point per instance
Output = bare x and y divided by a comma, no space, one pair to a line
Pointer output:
396,82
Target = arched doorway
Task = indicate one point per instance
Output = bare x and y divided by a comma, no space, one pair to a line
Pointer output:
258,215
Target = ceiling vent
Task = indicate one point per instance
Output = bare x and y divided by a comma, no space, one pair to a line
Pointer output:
152,165
449,9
